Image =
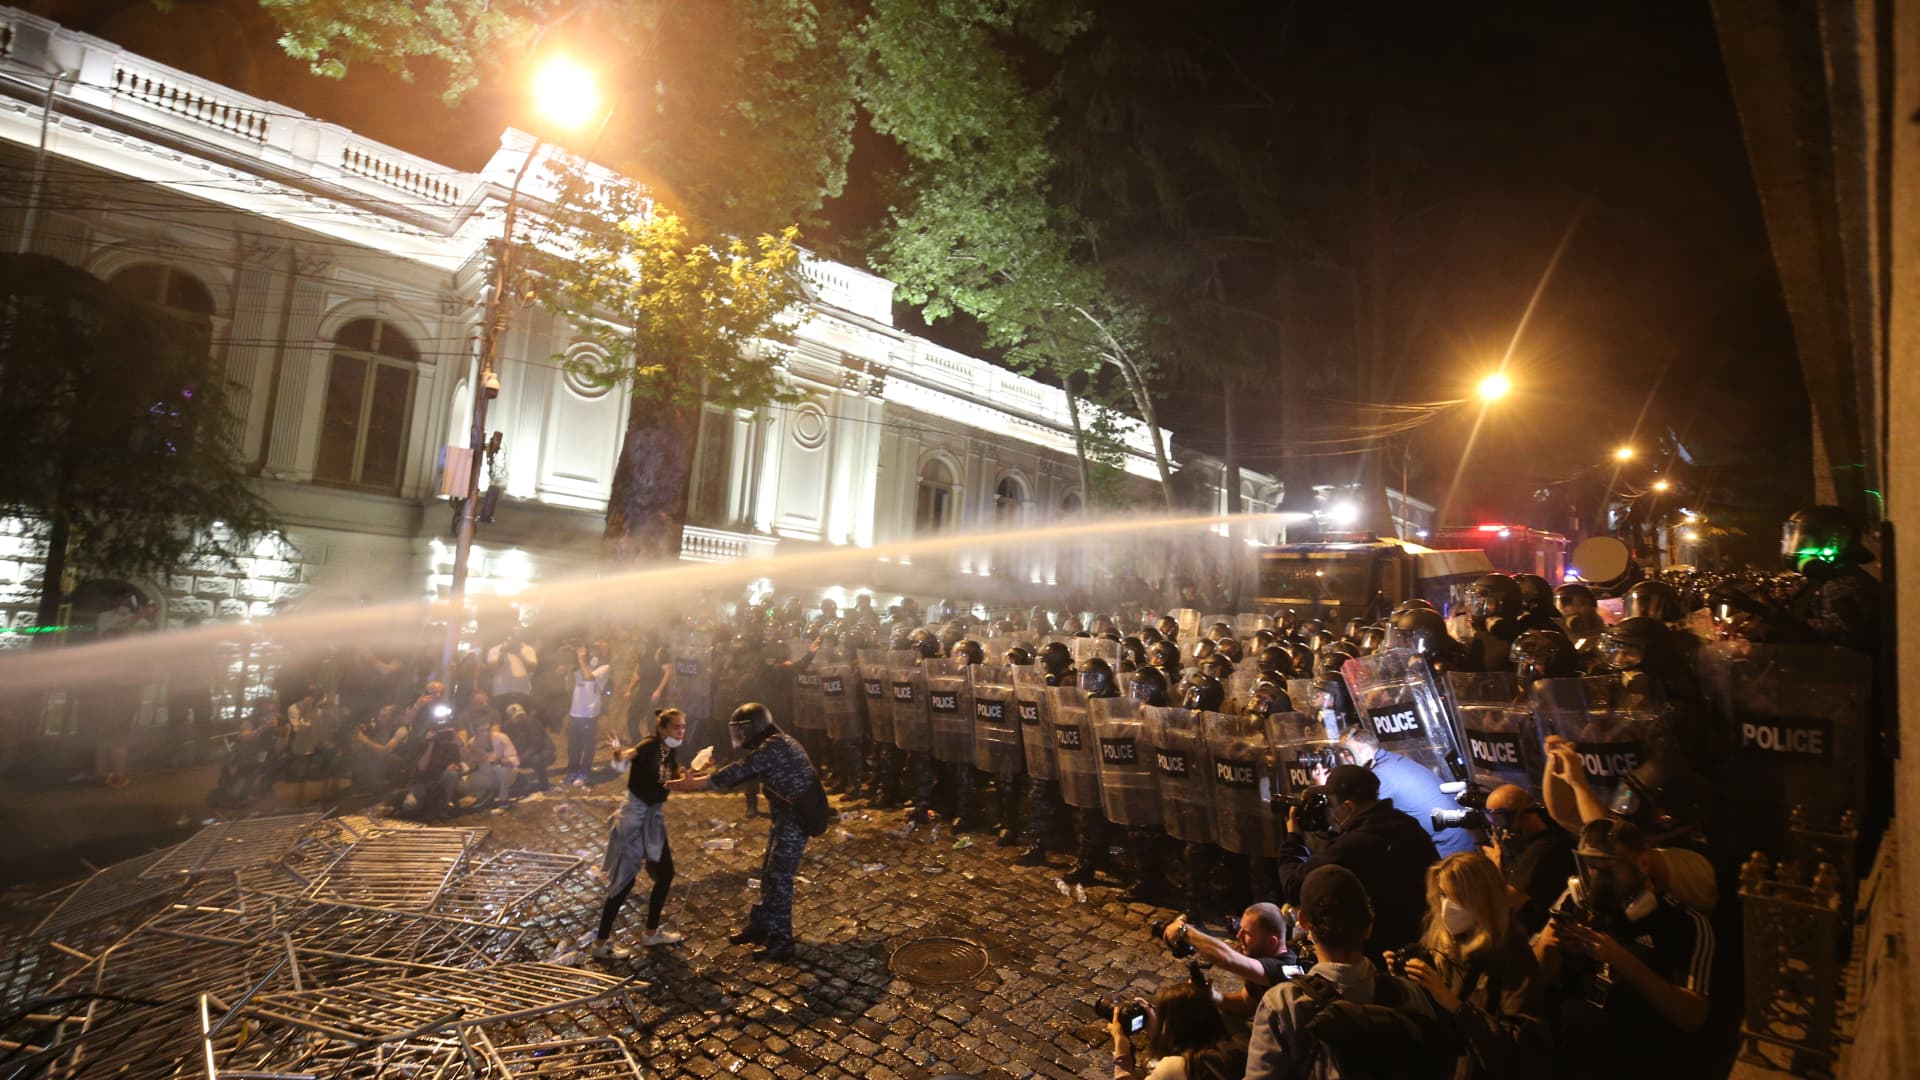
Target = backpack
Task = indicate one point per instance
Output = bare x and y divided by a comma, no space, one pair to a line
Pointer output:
810,808
1381,1040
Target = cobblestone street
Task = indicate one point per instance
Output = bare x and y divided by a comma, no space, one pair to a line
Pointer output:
864,890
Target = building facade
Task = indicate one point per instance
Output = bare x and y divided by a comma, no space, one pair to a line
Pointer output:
342,283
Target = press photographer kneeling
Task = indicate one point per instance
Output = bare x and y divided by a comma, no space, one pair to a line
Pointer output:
1185,1037
1257,954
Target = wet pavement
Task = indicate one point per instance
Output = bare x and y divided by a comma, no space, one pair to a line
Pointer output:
865,889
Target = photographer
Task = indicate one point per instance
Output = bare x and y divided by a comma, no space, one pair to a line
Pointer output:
1185,1038
1343,1018
1534,854
1663,798
1626,967
1257,954
1388,850
1474,962
1412,787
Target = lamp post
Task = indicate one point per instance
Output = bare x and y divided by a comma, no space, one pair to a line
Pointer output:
564,94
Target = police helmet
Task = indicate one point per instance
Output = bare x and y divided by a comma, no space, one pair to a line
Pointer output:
1423,630
1822,534
1275,661
1097,679
749,724
925,642
1168,626
1133,653
1164,655
1148,686
1264,637
1662,795
1333,657
968,650
1219,630
1351,632
1269,696
1057,659
1572,592
1655,600
1544,654
1217,665
1372,639
1630,643
1536,594
1229,647
1204,693
1493,596
1020,656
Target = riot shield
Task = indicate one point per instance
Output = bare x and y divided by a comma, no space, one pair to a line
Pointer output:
876,695
907,689
837,701
1793,723
1497,726
691,689
1179,747
808,711
1400,706
1129,794
949,715
1036,724
1303,756
1239,772
1239,688
996,728
1073,747
1612,740
1245,625
1088,648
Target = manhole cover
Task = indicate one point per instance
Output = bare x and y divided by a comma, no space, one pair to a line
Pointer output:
938,960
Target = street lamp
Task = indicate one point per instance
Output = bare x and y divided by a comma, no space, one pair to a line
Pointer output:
1661,485
1494,387
1624,453
565,94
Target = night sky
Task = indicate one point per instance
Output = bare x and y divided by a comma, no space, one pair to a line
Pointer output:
1608,129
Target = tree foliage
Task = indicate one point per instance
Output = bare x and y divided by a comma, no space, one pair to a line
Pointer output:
738,114
677,323
116,423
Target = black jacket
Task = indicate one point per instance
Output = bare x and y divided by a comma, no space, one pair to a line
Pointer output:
1389,852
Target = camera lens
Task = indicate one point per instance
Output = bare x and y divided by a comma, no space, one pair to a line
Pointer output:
1446,818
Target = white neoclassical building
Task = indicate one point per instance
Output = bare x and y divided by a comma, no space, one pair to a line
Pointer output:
342,282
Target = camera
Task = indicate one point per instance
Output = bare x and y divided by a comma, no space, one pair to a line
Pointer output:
1465,817
1133,1016
1180,949
1314,806
1411,951
442,710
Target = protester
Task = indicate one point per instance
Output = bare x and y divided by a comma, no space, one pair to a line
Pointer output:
1185,1038
640,838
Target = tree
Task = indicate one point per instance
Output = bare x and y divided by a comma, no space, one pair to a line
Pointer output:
115,418
678,323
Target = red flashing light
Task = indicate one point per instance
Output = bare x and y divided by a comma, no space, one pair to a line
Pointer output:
1491,528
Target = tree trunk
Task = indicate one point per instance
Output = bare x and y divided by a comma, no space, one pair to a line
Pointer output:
53,581
648,506
1079,445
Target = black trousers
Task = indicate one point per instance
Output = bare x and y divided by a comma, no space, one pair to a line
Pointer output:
662,874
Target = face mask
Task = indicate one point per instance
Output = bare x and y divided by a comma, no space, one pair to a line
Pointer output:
1458,920
673,743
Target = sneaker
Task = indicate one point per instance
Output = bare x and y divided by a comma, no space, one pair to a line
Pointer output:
579,781
607,950
662,936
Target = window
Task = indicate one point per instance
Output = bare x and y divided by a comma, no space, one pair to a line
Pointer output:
1009,501
363,425
713,469
933,508
164,286
188,327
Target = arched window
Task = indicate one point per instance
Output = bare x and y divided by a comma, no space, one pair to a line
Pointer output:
1009,501
1070,506
934,506
363,425
165,286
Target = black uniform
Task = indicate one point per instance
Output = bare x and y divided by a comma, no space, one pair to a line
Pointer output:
780,764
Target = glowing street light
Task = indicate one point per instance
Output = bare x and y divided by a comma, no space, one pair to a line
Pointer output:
565,92
1624,453
566,95
1661,485
1343,514
1494,387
